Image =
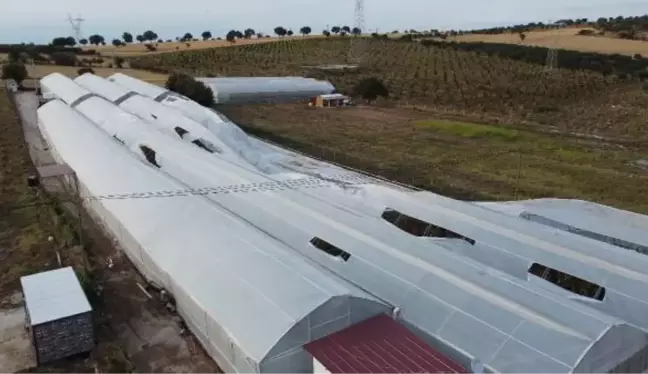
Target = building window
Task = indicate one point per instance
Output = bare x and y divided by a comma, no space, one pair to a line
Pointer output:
568,282
330,249
149,154
180,131
417,227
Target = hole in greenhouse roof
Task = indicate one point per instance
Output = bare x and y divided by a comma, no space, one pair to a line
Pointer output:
150,155
206,145
330,249
180,131
417,227
568,282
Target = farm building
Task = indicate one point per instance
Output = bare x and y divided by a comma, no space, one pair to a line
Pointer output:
58,313
330,101
595,221
246,90
291,288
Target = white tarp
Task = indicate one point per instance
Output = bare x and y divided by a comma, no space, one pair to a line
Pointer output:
246,298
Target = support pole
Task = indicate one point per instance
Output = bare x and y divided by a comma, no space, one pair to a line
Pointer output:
79,206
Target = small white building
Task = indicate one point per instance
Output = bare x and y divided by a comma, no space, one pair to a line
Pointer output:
58,313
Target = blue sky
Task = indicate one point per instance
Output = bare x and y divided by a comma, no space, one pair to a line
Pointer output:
41,20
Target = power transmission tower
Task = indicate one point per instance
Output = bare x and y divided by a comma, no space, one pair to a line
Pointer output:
76,26
356,49
551,62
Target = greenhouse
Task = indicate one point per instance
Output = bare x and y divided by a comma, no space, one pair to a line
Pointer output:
458,306
595,221
618,278
253,308
227,131
243,90
172,121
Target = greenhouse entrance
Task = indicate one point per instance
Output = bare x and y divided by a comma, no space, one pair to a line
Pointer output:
378,345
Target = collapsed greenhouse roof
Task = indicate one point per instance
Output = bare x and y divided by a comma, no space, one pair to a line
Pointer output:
514,245
614,226
172,122
247,305
455,302
516,313
227,131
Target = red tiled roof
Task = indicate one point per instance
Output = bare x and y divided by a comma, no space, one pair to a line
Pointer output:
379,345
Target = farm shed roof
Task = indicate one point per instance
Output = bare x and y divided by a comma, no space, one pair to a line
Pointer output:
600,222
53,295
379,345
241,304
333,96
471,310
513,245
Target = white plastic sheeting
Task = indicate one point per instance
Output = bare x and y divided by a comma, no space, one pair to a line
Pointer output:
249,148
615,226
551,334
262,89
248,299
511,245
166,118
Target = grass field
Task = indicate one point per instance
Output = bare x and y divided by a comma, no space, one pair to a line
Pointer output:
23,231
566,38
456,158
469,84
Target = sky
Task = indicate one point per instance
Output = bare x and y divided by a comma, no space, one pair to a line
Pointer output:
39,21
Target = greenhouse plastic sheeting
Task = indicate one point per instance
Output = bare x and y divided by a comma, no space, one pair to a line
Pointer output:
252,307
615,226
502,240
168,119
247,90
232,135
469,311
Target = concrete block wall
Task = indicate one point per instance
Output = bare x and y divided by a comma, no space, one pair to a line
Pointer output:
63,338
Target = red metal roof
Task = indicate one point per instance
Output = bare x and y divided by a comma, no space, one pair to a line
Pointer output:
379,345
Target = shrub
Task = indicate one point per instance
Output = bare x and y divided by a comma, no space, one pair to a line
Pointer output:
85,70
191,88
119,62
64,58
151,47
586,32
15,71
370,88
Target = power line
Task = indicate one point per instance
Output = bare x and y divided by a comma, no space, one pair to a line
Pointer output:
355,51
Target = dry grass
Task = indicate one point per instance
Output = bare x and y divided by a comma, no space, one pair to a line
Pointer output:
566,39
24,224
136,49
39,71
455,158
